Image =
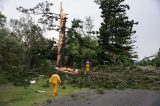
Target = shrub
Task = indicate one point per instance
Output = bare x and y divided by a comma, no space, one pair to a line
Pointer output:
3,80
63,87
100,91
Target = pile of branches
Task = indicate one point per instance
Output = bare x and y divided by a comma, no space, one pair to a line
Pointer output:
120,77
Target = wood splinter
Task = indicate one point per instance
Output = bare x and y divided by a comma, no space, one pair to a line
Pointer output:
68,70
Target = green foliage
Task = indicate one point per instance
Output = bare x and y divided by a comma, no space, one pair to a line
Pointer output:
24,52
100,91
116,33
3,80
154,62
79,45
42,9
119,77
11,56
19,96
144,62
46,85
64,87
2,20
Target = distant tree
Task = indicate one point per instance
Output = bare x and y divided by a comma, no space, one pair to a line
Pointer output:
2,20
88,24
79,45
11,54
47,17
156,60
11,58
144,62
116,32
38,49
75,37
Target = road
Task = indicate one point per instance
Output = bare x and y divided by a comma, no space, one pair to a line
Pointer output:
111,98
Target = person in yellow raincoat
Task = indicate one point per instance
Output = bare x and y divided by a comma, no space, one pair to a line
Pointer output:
88,67
55,81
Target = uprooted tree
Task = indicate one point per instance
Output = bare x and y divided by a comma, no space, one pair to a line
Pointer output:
47,18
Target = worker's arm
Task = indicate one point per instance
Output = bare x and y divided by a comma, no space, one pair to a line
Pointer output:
50,80
59,79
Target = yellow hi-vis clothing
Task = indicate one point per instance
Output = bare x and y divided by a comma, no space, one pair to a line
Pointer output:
55,80
87,68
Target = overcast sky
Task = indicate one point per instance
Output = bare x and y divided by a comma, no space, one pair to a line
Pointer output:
146,12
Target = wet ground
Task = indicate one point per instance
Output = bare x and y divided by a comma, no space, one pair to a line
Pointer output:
111,98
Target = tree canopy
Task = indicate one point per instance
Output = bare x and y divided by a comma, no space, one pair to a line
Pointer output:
116,32
25,52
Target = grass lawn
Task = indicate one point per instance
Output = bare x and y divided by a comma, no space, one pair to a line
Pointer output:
19,96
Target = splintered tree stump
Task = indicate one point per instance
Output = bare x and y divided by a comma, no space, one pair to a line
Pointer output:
60,45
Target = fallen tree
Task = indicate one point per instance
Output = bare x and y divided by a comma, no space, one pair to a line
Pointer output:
120,77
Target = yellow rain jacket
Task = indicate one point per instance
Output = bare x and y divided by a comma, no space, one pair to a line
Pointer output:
55,80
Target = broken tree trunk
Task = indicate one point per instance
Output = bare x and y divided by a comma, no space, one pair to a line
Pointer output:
60,51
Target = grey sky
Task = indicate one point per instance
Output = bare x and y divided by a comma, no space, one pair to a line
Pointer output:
1,4
146,12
